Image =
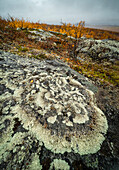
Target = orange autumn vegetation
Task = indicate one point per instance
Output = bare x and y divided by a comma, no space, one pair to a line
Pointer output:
68,29
17,41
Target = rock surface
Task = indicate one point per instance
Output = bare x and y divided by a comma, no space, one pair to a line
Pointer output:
49,117
99,50
40,35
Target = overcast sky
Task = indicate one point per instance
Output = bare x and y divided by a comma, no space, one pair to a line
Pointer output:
53,11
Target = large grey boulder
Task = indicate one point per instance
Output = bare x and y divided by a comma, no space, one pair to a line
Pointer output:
47,109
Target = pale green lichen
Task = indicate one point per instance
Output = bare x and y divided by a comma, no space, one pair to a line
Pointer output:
35,163
52,107
59,164
52,119
89,142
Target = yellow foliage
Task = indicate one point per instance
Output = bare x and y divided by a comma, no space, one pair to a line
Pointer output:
69,29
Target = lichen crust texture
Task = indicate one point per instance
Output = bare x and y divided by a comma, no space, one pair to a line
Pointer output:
53,105
59,164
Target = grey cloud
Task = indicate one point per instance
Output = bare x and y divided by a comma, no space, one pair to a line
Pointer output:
92,11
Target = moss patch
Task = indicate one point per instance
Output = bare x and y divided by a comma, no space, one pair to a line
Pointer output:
22,49
104,73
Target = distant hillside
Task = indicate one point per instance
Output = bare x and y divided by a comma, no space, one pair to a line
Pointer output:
105,27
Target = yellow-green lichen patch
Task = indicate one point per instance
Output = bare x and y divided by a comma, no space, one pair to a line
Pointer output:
35,163
50,103
52,119
63,104
59,164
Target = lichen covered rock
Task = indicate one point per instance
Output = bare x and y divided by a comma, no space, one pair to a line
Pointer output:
99,50
46,104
